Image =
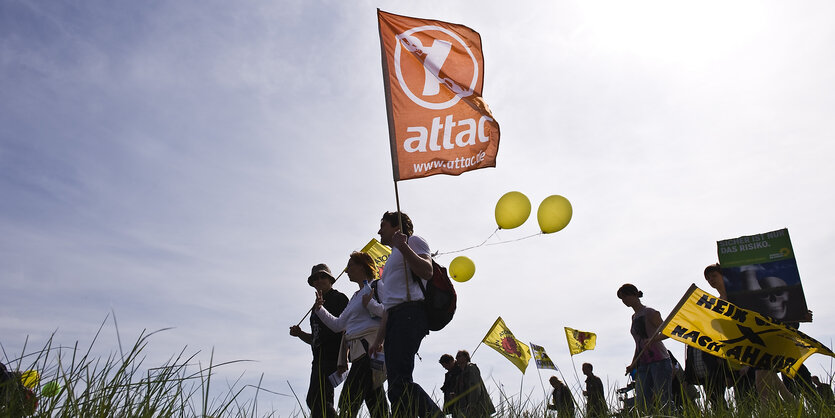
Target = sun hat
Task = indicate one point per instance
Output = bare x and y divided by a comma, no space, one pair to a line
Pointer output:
320,269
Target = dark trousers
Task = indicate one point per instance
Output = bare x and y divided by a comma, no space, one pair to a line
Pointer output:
359,387
320,392
715,393
405,328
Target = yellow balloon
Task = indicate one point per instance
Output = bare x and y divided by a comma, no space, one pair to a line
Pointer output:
554,214
30,378
461,269
512,210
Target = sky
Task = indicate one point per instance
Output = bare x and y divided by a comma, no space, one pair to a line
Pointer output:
185,164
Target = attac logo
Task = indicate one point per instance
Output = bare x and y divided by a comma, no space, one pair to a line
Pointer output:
433,73
421,78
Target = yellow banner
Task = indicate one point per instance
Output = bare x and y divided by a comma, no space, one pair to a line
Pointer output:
723,329
379,252
579,341
502,340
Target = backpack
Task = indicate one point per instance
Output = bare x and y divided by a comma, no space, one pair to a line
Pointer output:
439,297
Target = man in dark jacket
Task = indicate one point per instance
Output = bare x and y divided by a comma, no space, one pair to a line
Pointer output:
475,402
450,381
324,343
595,395
563,402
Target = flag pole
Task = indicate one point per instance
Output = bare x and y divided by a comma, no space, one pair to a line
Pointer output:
476,348
576,376
311,308
521,382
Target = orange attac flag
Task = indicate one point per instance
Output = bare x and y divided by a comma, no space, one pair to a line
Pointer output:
433,74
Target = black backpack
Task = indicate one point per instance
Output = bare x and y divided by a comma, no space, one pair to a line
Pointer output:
439,297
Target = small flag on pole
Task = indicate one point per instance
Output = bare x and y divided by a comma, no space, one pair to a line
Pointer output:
579,341
542,359
502,340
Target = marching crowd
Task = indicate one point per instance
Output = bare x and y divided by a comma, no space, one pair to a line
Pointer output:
389,313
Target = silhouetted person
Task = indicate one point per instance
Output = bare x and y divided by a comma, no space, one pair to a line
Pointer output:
561,398
651,358
743,378
594,393
450,382
405,323
324,343
474,400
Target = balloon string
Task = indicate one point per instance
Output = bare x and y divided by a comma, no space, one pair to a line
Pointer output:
485,241
468,248
514,240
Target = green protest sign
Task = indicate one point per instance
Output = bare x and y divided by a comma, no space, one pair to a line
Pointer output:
761,274
755,249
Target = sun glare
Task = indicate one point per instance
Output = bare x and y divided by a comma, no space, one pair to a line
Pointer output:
672,31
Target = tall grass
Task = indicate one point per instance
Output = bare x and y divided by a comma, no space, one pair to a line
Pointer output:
122,385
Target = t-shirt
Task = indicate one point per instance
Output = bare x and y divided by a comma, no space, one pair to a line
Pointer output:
641,333
325,342
392,288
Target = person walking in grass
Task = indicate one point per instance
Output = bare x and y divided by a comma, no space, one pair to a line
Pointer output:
651,358
475,402
360,321
450,382
561,398
404,323
594,393
324,343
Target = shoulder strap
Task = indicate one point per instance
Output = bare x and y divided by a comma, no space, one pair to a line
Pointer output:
373,285
420,281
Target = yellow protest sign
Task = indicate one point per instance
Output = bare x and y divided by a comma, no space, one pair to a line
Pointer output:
379,252
725,330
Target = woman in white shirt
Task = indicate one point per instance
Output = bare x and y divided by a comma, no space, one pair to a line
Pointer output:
360,320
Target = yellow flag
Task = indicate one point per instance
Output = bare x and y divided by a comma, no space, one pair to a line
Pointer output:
502,340
579,341
30,378
725,330
379,252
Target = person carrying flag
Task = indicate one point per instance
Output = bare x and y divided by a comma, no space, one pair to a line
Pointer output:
404,324
324,343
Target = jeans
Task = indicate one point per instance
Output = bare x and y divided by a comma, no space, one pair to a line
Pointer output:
654,385
405,328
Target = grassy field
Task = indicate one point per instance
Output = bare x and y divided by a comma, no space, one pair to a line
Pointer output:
73,383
